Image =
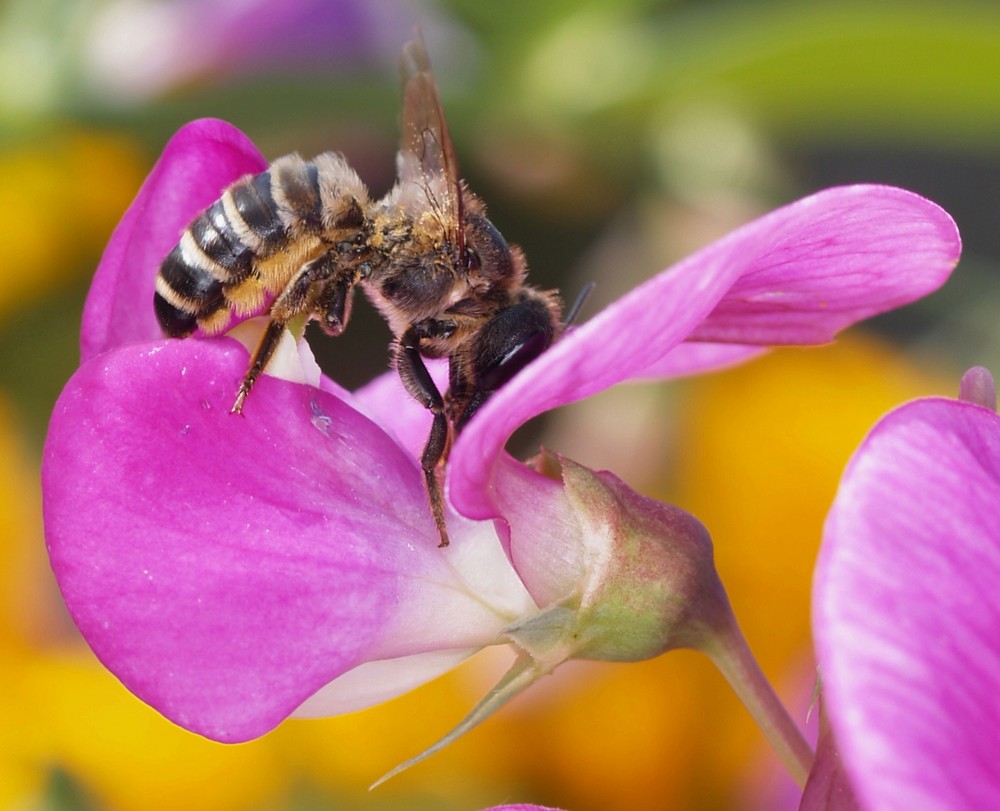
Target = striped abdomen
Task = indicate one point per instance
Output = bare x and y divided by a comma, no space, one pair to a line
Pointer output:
251,241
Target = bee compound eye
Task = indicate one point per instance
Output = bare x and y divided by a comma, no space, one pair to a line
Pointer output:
517,357
491,251
510,341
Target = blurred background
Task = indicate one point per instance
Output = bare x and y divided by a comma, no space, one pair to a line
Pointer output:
609,138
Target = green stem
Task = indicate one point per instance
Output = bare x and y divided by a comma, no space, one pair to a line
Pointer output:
731,654
522,674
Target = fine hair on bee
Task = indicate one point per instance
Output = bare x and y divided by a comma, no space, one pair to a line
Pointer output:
296,239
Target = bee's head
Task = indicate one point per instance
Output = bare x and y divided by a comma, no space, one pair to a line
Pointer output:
515,336
486,256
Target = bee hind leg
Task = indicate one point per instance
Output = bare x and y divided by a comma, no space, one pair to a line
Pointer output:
433,453
419,383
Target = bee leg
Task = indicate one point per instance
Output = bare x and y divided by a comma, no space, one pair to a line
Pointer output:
419,383
331,300
333,304
259,360
433,452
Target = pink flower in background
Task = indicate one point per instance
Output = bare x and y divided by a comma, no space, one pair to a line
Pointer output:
133,49
520,807
906,608
233,571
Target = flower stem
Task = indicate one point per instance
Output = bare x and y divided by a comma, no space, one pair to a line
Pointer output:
729,651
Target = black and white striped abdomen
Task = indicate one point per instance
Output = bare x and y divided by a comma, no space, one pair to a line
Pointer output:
253,239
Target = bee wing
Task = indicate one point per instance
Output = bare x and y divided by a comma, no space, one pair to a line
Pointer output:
426,165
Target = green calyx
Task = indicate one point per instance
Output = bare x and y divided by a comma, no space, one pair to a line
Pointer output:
647,579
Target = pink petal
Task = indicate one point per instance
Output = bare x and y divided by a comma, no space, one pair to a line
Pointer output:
197,164
379,680
856,252
520,807
795,276
828,788
226,567
906,613
535,507
978,387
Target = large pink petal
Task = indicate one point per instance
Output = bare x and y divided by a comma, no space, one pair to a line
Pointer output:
855,252
197,164
226,567
795,276
906,610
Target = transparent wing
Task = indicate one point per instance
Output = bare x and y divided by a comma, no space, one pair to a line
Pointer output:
428,172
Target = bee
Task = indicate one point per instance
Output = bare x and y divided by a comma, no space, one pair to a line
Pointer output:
302,235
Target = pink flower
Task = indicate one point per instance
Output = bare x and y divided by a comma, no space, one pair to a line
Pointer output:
133,49
906,612
520,807
233,571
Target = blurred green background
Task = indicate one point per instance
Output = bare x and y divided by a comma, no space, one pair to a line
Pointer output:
609,139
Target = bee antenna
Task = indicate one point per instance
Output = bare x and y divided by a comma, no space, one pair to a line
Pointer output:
581,299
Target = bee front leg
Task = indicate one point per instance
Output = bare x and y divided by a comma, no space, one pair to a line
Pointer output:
419,383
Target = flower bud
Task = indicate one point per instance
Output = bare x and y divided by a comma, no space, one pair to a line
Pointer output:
645,581
617,576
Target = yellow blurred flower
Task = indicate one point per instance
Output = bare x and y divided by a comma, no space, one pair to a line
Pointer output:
62,192
61,709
